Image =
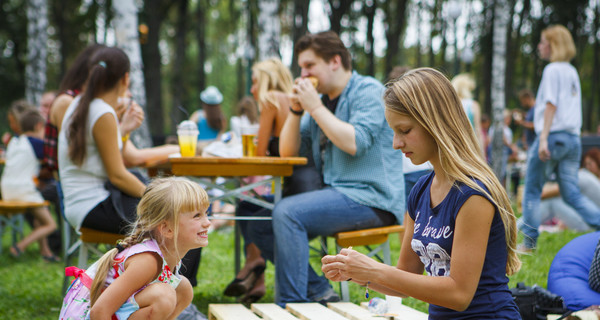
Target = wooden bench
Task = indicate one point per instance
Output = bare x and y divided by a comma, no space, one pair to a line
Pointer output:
306,311
378,237
12,215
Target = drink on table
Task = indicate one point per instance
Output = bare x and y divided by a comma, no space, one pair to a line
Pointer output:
187,133
249,140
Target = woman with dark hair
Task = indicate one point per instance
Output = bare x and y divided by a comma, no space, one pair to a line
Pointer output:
210,119
99,192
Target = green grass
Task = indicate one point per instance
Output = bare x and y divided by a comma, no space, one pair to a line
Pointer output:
31,288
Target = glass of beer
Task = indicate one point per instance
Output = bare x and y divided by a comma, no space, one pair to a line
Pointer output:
187,134
249,140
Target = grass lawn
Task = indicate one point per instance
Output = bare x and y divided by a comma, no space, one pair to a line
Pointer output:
30,287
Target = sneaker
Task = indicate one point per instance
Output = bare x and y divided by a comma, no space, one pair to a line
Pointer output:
191,313
329,296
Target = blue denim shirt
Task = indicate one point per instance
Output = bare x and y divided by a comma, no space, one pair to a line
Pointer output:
373,177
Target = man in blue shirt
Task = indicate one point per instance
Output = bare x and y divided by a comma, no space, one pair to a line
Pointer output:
346,132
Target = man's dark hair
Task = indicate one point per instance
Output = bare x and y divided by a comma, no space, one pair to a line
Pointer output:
326,45
30,119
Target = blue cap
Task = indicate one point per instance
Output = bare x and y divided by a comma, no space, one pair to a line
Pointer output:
211,95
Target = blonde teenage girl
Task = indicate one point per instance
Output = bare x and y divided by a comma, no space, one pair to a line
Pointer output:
140,278
460,227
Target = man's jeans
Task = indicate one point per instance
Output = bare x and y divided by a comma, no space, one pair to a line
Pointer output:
296,220
565,155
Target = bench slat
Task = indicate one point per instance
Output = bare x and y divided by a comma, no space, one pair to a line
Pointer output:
313,311
10,206
352,311
95,236
230,312
271,311
406,313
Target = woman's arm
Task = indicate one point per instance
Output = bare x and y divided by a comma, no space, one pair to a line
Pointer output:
268,114
134,157
106,136
58,109
455,291
140,270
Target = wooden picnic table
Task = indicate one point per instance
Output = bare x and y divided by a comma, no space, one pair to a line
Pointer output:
213,167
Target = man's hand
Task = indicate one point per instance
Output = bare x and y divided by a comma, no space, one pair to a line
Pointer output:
543,151
306,96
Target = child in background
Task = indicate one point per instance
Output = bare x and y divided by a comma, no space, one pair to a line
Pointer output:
17,108
246,115
19,180
140,278
460,226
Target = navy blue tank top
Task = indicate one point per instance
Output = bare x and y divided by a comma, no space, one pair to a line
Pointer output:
432,241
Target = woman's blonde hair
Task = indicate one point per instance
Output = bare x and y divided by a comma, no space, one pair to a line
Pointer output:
164,200
427,96
562,47
464,85
271,75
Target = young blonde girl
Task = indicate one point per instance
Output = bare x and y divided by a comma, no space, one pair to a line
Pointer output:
140,278
460,227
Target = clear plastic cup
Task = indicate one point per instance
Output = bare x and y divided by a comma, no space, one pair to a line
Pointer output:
187,133
249,140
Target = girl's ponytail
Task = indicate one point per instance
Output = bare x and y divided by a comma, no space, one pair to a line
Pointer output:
107,67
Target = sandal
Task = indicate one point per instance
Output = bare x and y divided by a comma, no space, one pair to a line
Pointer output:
15,251
51,258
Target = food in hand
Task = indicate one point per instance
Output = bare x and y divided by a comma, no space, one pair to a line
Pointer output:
314,81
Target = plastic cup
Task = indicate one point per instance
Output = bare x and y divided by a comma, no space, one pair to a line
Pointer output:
249,140
187,134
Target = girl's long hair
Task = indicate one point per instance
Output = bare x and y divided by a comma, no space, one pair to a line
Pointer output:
107,67
164,200
74,79
427,96
272,75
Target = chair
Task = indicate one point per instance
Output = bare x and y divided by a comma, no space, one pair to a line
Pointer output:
12,215
366,238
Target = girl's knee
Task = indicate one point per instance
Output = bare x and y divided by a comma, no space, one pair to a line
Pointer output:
160,297
184,292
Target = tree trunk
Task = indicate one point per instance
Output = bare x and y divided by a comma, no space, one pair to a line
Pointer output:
501,19
369,11
395,22
126,22
299,28
510,54
269,35
419,58
434,28
338,9
35,70
593,114
201,39
178,87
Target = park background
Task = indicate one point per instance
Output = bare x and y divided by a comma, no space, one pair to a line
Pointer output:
181,46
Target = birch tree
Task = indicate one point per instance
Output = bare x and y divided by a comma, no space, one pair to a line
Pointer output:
37,37
498,82
269,34
125,23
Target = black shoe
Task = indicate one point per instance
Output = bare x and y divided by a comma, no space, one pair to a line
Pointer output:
238,286
330,296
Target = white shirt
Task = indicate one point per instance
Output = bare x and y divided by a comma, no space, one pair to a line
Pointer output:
559,86
21,168
83,186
